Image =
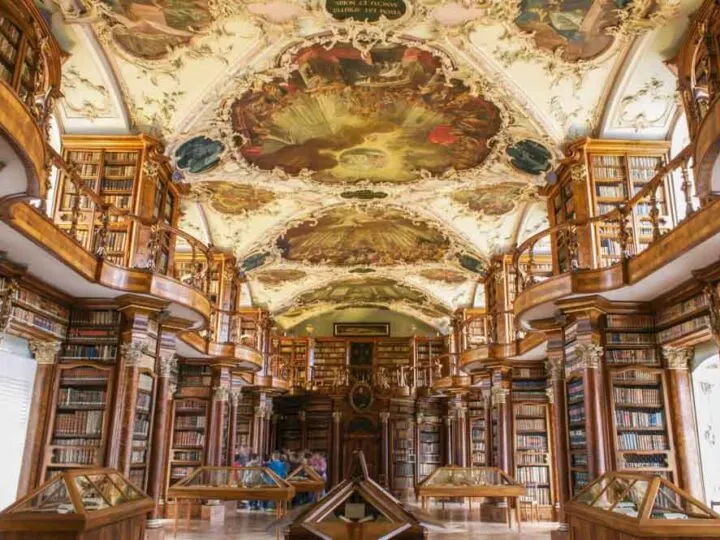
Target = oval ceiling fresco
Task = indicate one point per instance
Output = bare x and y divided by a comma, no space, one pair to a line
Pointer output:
349,236
348,116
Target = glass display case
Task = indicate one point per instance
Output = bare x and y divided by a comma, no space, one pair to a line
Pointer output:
305,480
471,483
355,508
619,504
78,501
232,484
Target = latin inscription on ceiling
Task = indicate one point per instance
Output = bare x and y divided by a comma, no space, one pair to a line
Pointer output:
366,10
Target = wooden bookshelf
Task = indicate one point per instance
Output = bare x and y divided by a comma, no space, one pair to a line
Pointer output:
330,355
187,442
142,429
290,436
113,168
425,351
403,459
93,335
533,451
630,339
79,418
478,435
429,446
641,423
577,420
243,427
31,314
20,61
529,383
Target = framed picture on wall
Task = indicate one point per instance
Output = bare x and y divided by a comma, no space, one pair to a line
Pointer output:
361,329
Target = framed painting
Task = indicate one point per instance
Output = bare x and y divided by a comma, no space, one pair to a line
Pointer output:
361,329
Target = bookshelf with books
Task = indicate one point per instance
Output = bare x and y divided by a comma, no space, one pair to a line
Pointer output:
403,459
79,422
630,339
244,422
563,205
187,437
478,436
533,452
294,354
330,356
641,423
392,353
425,352
32,314
142,428
429,444
683,320
529,382
113,168
93,334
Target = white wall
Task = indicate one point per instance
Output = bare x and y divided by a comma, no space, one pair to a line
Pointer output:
706,388
17,373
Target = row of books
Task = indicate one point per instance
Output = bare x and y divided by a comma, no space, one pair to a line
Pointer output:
84,157
575,390
616,191
119,171
529,373
524,424
79,456
635,338
188,438
137,456
684,328
532,442
187,455
533,475
145,382
641,419
177,473
429,448
640,441
531,410
120,157
8,28
38,321
642,168
95,318
74,397
116,241
404,469
576,413
141,428
188,421
578,438
676,310
579,460
477,446
529,384
95,334
79,423
88,171
106,353
528,458
631,356
635,376
119,201
540,494
84,376
644,461
429,437
41,303
192,380
630,321
77,442
651,397
143,403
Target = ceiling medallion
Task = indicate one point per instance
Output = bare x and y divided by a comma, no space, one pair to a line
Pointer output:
388,114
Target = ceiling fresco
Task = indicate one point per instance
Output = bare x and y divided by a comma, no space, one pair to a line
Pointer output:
380,115
368,235
367,153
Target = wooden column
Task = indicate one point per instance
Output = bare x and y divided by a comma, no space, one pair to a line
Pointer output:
449,447
418,430
45,354
385,436
335,464
232,427
598,443
302,417
258,424
502,401
220,396
273,433
559,431
487,402
461,430
683,419
266,428
158,460
132,356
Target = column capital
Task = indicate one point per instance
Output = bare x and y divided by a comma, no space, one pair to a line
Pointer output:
499,395
236,396
419,418
677,357
44,352
384,417
337,416
132,351
449,419
589,355
302,415
168,364
555,367
221,393
461,412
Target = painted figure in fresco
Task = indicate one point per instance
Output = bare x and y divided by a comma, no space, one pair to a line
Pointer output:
347,116
231,198
149,28
495,200
363,236
579,27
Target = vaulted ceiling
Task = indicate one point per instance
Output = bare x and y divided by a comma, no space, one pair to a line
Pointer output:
367,153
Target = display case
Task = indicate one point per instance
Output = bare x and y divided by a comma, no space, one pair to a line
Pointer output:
305,480
232,484
471,482
625,506
355,508
91,504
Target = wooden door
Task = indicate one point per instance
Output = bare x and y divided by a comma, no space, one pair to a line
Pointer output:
370,446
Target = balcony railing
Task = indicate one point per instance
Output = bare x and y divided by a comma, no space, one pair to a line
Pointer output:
618,219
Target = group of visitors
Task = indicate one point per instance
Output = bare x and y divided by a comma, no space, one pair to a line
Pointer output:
282,463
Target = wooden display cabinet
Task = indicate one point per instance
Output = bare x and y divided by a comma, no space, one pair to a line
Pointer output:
118,169
598,177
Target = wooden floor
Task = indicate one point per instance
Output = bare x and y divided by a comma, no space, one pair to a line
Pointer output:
252,526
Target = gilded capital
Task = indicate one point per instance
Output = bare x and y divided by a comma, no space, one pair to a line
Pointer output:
461,412
131,352
384,417
221,393
589,355
44,352
337,416
236,397
550,392
555,368
168,363
677,358
499,395
419,418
